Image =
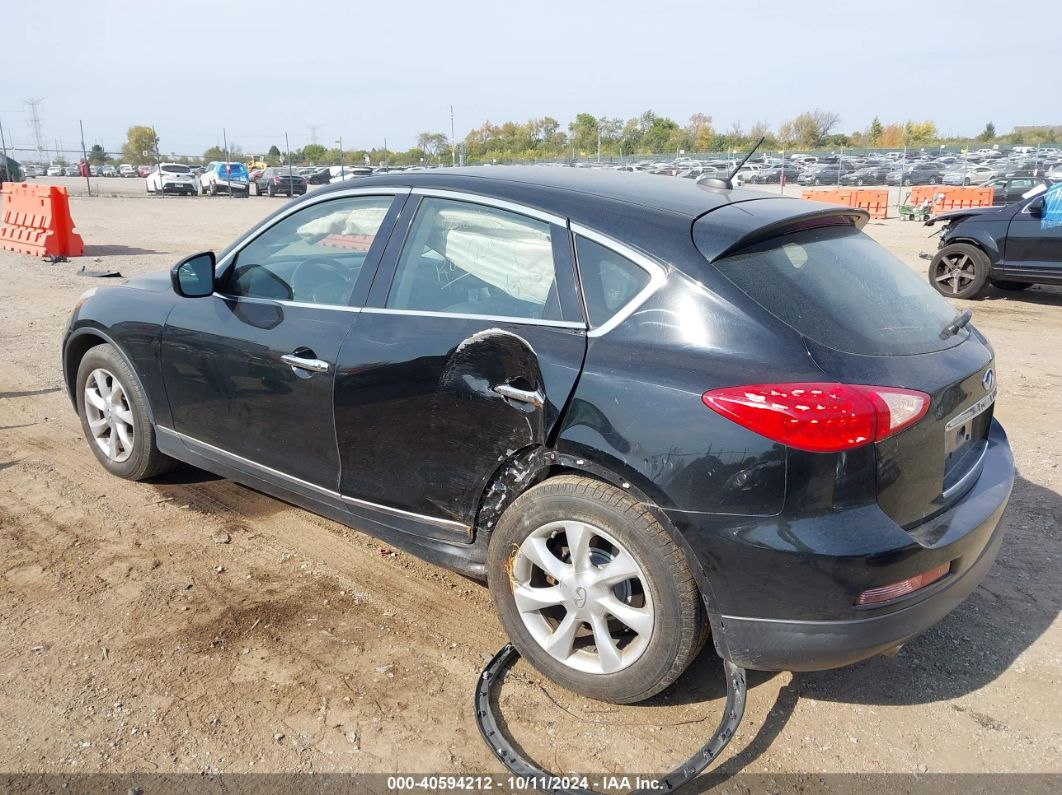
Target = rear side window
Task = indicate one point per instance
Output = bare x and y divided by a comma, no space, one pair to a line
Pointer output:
609,280
840,289
469,259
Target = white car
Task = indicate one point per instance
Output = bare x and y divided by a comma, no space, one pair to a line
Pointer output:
171,178
127,170
30,171
55,171
341,174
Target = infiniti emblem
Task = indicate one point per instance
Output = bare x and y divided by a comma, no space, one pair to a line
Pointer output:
580,597
988,379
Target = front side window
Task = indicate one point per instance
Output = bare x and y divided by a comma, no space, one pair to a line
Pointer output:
312,256
468,259
610,281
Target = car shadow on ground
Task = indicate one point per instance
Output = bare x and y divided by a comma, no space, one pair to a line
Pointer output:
1042,294
1018,601
116,251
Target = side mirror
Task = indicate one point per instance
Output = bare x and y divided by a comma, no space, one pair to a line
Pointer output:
193,277
1036,208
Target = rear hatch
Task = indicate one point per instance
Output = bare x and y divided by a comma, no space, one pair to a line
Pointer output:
866,318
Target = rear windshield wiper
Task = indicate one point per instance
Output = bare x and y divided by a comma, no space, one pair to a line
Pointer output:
953,328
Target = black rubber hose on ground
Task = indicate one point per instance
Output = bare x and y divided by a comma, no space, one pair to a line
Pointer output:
503,748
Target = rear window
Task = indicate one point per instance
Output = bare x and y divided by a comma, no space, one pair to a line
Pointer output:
839,288
176,169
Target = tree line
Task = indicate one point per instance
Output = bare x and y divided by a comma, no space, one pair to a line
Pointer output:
587,135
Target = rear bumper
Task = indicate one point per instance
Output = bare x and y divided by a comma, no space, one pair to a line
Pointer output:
779,645
786,600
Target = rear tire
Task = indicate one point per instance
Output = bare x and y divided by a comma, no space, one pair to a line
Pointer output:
652,618
959,270
114,416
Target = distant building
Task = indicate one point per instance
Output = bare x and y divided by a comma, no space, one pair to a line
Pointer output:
1054,129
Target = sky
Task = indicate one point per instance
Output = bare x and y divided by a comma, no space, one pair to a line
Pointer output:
370,72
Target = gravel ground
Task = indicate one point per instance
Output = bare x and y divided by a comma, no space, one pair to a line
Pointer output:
193,625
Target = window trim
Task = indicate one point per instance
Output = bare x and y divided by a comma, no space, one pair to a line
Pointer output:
263,226
657,276
489,201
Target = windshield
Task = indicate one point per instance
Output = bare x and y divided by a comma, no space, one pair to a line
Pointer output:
839,288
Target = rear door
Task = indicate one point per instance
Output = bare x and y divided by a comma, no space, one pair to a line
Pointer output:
467,352
249,371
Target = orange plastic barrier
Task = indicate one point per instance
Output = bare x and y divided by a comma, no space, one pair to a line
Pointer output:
37,221
946,198
874,201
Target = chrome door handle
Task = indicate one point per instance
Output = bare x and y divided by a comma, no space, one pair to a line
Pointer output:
313,365
532,398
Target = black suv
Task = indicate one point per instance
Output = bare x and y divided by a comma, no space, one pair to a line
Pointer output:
1010,247
645,411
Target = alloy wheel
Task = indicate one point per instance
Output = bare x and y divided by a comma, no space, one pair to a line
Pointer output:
110,417
583,597
954,272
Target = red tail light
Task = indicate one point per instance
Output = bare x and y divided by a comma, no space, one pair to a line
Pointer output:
820,417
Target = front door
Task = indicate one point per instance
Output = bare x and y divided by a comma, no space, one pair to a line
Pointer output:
1034,244
250,370
467,352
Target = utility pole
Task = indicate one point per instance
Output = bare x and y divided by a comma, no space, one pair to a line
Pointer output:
228,168
158,160
384,163
3,143
84,156
453,138
342,171
287,149
313,128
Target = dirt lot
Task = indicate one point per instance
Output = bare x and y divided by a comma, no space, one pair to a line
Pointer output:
195,625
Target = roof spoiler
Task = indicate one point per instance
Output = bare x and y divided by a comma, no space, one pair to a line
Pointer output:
733,238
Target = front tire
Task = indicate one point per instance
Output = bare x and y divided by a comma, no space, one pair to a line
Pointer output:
959,270
114,416
593,591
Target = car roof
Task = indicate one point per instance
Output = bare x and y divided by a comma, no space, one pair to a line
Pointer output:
555,188
654,214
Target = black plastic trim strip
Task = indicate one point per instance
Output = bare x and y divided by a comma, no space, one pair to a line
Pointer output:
503,748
